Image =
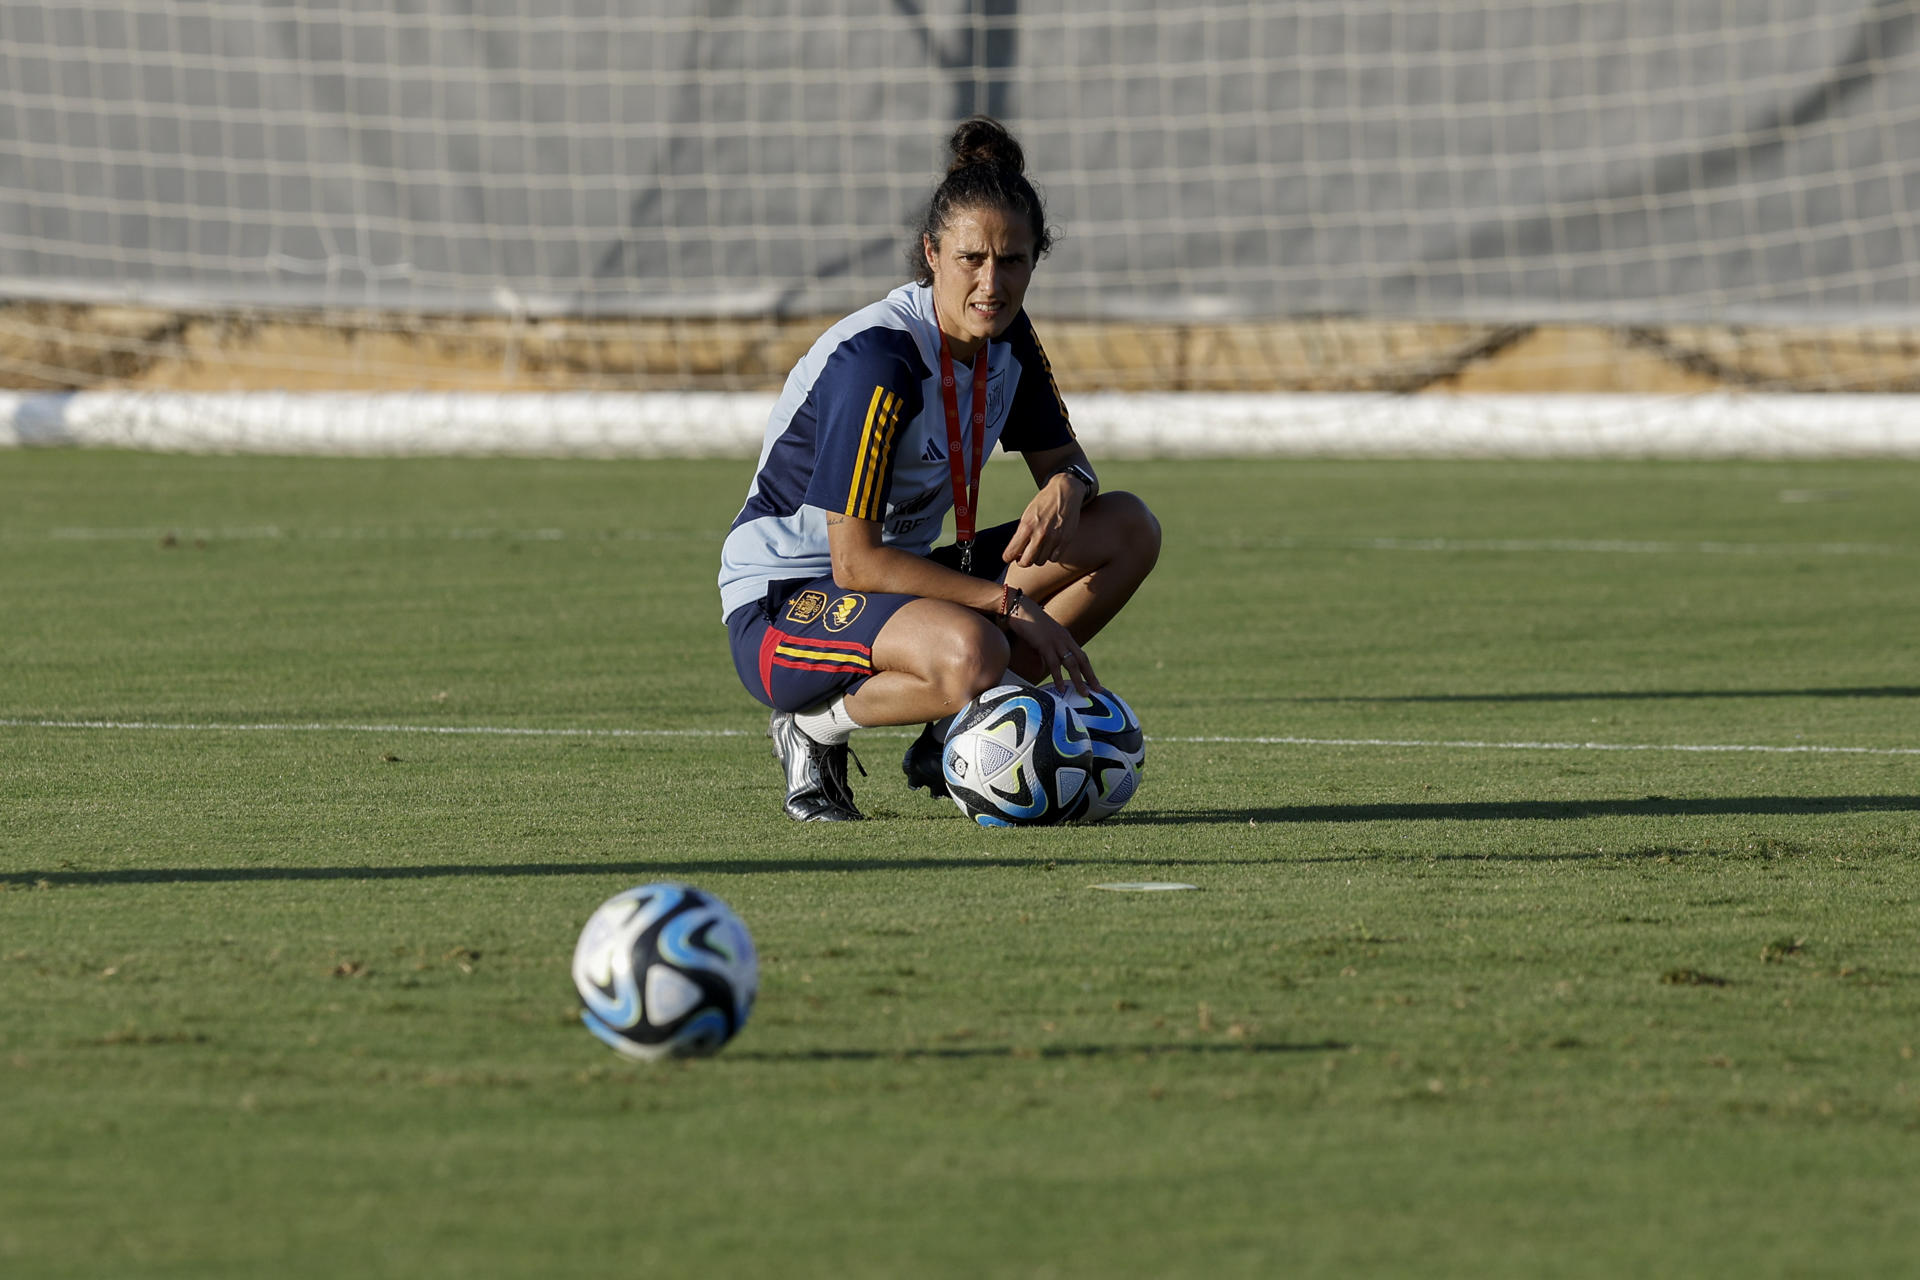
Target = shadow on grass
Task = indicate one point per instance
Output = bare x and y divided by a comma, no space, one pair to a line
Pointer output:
1536,810
1044,1051
639,869
663,868
1622,695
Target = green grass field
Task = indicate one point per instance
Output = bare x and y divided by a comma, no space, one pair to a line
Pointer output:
1487,973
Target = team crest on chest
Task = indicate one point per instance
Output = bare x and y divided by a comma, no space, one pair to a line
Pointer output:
844,611
807,606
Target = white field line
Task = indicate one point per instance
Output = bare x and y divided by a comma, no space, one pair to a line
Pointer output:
503,731
1594,546
1474,745
492,731
1577,546
365,533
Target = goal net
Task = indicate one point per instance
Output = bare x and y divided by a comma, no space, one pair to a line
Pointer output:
466,197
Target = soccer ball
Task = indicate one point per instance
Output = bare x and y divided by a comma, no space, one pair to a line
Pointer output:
1119,752
1017,756
665,971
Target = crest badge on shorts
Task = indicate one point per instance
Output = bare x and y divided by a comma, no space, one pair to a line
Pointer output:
806,606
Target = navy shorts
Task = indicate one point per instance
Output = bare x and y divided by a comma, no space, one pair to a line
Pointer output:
809,640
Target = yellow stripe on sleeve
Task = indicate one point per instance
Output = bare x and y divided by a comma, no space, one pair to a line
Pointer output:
1046,366
864,460
864,499
888,427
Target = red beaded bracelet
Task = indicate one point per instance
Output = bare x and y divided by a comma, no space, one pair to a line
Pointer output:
1010,598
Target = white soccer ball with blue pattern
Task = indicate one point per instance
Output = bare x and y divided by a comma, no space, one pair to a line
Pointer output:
1017,756
665,971
1119,752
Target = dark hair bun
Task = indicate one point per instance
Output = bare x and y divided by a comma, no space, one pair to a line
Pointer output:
988,171
984,141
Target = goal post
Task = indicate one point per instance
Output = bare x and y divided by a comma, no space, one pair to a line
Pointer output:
461,197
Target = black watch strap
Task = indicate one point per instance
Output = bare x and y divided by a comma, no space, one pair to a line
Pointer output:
1084,476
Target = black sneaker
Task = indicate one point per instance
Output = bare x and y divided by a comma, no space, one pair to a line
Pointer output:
817,789
921,764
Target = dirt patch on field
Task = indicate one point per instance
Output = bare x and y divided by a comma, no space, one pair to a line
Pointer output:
51,346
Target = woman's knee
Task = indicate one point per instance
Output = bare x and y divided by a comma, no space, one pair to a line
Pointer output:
953,649
974,659
1135,529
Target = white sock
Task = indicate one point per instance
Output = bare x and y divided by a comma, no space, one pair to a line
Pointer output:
827,722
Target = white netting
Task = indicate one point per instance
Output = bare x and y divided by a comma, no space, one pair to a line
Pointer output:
457,195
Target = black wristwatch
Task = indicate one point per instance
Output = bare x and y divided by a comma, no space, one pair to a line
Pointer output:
1084,476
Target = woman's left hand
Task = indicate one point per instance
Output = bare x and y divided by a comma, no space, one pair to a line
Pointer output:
1047,525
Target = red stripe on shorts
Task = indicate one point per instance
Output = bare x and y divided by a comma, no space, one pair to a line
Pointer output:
791,665
818,642
858,655
767,644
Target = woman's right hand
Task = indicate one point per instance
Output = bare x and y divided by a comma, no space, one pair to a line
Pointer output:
1062,660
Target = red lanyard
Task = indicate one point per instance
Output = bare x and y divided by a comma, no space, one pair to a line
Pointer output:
966,483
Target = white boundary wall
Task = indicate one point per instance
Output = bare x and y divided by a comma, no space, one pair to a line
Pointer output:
1112,425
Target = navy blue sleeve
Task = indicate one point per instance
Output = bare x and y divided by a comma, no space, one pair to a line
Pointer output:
868,387
1038,418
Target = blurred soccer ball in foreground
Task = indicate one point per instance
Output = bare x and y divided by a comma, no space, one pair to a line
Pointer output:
1118,752
1017,756
665,971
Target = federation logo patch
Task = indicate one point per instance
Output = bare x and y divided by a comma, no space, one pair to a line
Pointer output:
806,606
916,504
844,611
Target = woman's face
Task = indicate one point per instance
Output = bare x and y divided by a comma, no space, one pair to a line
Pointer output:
981,268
